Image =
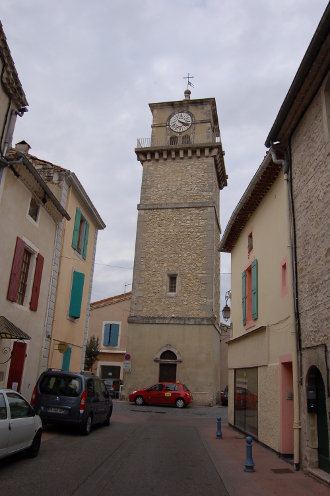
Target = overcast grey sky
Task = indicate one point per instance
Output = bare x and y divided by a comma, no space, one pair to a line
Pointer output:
90,68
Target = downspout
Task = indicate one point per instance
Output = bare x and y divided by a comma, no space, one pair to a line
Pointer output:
9,102
10,127
295,332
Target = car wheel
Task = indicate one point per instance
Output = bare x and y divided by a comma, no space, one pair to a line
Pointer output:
139,401
33,450
86,427
180,403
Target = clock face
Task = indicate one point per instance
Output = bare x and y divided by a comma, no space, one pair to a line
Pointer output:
180,122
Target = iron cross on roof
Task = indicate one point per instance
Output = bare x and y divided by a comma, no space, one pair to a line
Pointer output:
189,82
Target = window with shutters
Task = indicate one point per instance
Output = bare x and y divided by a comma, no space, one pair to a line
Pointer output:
111,331
78,279
25,277
250,294
80,234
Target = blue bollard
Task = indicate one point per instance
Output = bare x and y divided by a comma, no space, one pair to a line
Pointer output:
249,465
219,433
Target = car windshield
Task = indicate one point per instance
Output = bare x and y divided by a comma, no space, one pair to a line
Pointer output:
60,385
185,388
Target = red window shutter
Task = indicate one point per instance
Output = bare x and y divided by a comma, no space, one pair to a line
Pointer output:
36,283
16,270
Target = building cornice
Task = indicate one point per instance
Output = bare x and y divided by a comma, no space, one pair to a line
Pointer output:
259,186
10,79
199,151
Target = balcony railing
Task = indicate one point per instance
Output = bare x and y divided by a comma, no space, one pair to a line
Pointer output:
175,141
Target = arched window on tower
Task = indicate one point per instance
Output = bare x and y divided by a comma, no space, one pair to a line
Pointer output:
186,139
173,140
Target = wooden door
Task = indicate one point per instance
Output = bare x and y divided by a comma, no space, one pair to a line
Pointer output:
17,365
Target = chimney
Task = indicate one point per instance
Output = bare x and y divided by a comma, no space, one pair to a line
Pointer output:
23,147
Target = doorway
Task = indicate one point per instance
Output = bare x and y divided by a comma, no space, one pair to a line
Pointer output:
16,366
167,366
315,380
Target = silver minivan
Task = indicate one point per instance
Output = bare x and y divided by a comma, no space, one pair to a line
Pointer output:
61,397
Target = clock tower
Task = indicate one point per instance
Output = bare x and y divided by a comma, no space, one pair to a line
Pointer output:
173,326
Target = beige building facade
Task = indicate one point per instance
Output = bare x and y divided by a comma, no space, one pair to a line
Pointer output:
301,132
29,216
262,365
108,323
67,316
173,330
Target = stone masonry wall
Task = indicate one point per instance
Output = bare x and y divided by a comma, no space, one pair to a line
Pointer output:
311,186
178,232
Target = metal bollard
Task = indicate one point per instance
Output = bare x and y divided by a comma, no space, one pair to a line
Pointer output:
219,433
249,465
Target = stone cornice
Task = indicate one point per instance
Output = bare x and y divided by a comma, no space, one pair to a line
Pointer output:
200,150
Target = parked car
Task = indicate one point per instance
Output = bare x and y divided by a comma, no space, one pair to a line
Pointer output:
66,397
224,396
163,393
20,427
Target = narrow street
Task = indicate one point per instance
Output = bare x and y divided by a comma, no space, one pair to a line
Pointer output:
145,451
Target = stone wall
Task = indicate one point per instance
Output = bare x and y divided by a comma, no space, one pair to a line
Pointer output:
311,186
178,233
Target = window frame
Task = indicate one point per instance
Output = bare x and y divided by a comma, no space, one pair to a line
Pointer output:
168,288
80,234
29,216
250,294
104,332
33,277
76,294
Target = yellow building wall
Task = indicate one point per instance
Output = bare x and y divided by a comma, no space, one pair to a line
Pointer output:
271,336
14,221
66,329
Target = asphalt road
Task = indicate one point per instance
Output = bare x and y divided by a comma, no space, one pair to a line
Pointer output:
145,451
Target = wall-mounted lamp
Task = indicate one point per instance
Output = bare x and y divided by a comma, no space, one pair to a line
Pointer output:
226,308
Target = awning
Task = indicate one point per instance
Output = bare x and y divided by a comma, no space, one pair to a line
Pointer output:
8,330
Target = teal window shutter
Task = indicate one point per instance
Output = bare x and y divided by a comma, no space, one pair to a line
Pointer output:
106,337
76,228
85,240
114,334
78,279
244,296
66,359
254,270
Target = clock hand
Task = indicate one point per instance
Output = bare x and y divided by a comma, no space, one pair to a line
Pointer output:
183,123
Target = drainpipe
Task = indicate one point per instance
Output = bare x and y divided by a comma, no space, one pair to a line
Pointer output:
10,127
295,335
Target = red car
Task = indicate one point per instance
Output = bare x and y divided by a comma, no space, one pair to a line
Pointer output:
163,393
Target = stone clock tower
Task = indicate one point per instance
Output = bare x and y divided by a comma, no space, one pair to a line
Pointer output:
173,327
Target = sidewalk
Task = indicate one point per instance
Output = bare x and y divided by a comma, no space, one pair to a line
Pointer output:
272,476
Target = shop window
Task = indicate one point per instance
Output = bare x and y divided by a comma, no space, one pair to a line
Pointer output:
246,400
